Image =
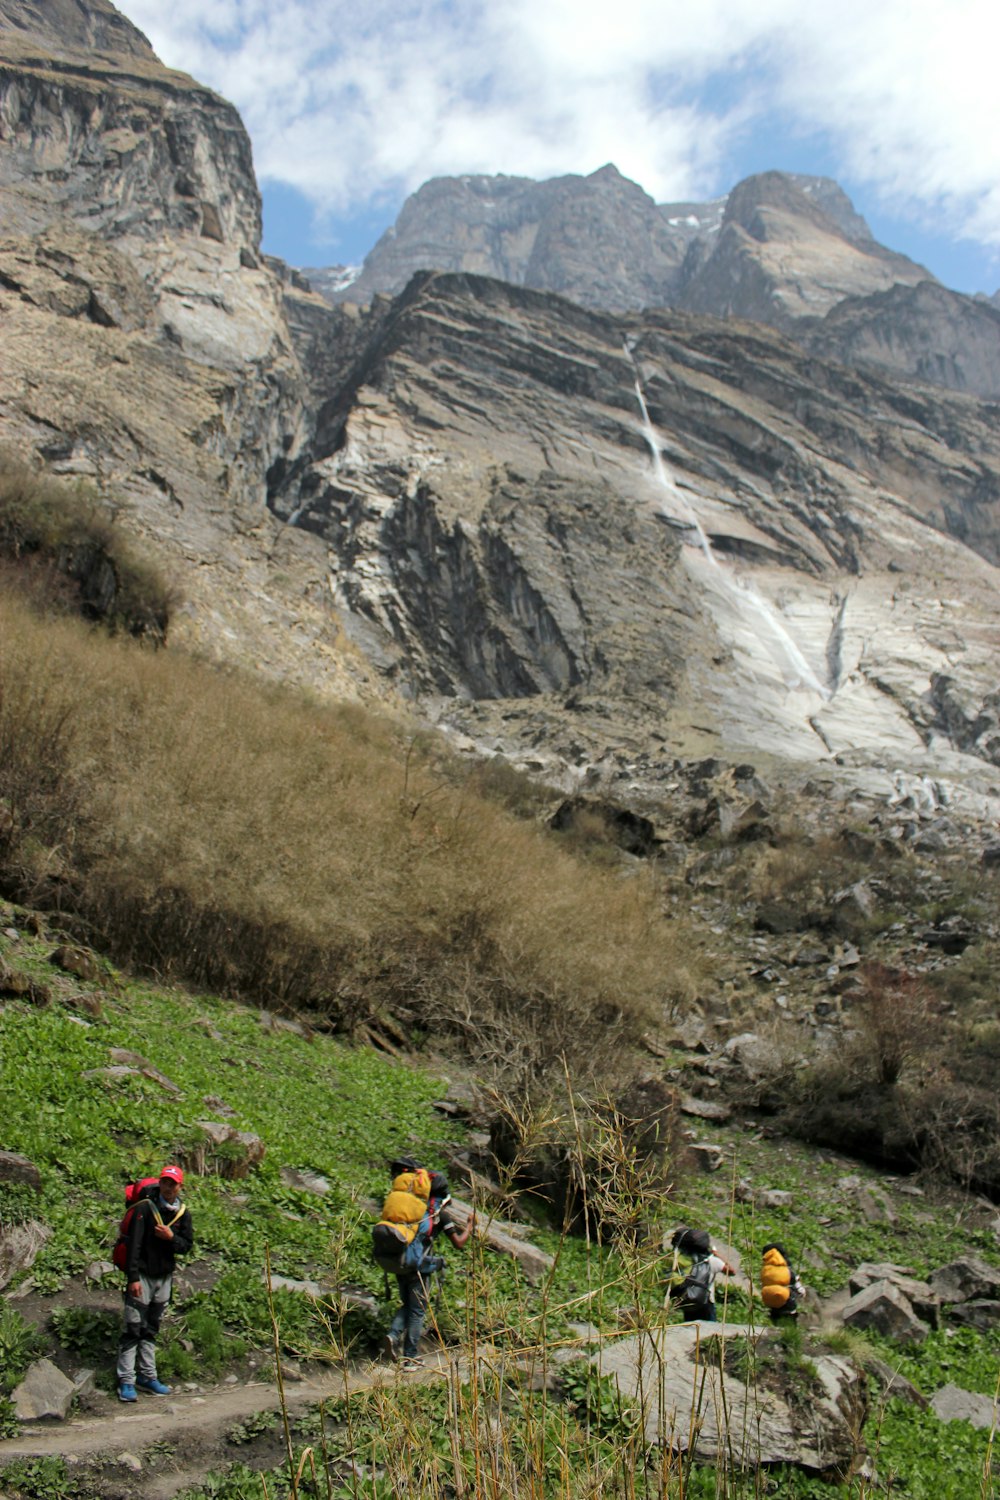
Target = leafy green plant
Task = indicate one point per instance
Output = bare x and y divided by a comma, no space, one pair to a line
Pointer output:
597,1401
44,1478
259,1424
91,1333
9,1424
19,1343
236,1482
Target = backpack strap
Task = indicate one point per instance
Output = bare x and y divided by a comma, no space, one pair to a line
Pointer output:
181,1211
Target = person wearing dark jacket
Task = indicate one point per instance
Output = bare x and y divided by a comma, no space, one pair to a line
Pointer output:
159,1231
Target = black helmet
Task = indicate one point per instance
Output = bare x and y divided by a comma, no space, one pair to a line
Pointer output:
403,1164
691,1241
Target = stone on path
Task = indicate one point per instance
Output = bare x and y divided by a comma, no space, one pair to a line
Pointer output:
44,1392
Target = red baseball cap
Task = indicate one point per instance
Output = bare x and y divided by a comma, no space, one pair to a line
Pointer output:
175,1175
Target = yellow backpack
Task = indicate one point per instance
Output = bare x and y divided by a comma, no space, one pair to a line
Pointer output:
402,1235
775,1278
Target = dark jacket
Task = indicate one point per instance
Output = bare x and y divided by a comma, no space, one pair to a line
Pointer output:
148,1255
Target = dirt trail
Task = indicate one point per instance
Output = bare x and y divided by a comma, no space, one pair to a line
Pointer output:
191,1421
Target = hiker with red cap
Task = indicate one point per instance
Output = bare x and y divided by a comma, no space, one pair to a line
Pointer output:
159,1229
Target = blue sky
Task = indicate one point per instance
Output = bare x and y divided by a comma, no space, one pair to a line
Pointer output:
352,106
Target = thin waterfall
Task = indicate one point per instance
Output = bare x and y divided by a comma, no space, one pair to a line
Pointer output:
666,478
782,648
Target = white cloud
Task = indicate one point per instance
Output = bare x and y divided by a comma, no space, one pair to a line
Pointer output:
351,102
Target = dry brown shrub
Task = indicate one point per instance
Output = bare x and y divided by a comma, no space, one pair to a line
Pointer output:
246,839
895,1020
71,554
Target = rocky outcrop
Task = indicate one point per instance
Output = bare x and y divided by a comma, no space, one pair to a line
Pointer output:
923,332
508,523
146,345
96,130
568,529
600,239
783,253
782,248
696,1399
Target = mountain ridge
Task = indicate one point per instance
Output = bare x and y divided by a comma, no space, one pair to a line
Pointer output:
550,526
781,248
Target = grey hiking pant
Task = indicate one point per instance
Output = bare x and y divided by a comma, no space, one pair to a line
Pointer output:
142,1324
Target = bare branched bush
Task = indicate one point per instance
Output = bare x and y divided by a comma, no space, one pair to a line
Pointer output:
893,1015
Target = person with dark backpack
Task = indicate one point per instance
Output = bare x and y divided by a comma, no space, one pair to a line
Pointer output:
694,1292
414,1211
155,1230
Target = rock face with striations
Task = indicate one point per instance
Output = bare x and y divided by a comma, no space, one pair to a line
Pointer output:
780,555
145,344
924,331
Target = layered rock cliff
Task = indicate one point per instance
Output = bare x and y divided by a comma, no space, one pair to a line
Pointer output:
145,343
655,530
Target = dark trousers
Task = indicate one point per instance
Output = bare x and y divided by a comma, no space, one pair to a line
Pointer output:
408,1324
704,1314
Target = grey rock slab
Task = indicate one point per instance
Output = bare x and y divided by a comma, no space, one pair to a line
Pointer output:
925,1301
875,1206
953,1404
17,1168
774,1198
892,1383
288,1284
751,1053
966,1279
706,1156
705,1109
305,1181
978,1313
885,1309
689,1404
44,1392
507,1240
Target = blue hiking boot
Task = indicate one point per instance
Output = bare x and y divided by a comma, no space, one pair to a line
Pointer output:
156,1386
126,1392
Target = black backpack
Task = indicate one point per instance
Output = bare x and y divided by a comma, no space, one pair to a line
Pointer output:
696,1288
